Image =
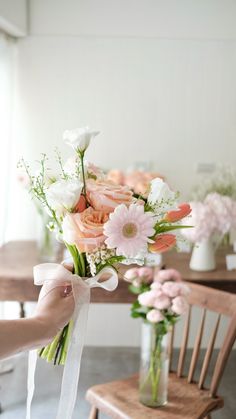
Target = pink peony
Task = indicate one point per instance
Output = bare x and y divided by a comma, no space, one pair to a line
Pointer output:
172,289
146,274
168,275
147,298
202,219
222,208
155,316
184,289
156,286
162,302
179,305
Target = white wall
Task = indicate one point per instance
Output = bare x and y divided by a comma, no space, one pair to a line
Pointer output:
186,19
13,17
156,77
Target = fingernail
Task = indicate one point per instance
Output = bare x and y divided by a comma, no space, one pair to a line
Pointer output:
67,291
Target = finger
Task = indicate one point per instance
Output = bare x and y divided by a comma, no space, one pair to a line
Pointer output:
67,290
68,266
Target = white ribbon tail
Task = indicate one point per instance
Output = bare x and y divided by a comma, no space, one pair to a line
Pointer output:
32,362
57,275
70,379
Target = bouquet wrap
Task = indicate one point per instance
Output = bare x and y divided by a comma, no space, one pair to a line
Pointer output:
81,291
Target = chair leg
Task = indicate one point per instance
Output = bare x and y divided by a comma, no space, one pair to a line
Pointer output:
93,413
22,310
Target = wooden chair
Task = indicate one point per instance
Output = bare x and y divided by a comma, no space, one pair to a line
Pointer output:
188,398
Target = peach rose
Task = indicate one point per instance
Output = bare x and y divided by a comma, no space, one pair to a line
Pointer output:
85,229
106,196
116,176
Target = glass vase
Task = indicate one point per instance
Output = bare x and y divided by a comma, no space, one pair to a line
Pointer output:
154,366
48,247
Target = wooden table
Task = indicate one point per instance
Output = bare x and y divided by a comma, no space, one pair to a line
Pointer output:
18,258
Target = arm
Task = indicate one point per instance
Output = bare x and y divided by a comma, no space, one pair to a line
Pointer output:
53,312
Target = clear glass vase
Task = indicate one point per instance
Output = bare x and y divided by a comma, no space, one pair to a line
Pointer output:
154,366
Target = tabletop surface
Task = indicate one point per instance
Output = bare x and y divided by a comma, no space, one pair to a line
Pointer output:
17,259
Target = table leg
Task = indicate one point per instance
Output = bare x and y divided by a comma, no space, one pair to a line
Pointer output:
22,310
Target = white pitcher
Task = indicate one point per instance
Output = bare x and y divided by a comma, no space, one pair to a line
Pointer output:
203,256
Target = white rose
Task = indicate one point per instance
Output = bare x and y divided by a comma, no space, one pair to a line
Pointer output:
63,195
160,195
79,138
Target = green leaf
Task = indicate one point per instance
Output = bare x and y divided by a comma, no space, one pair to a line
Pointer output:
135,290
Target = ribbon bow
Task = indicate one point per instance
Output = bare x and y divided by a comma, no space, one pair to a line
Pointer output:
81,291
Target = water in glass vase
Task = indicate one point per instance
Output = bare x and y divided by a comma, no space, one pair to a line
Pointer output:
154,365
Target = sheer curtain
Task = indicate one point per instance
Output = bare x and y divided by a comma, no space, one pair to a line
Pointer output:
7,98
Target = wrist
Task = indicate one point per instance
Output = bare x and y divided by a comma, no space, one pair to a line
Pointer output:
44,329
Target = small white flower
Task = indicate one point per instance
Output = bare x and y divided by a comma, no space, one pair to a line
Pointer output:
79,138
161,196
63,195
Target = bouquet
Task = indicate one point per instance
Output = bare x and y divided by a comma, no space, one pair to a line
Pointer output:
101,223
161,299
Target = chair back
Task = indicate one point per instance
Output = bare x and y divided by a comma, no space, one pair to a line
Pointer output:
223,304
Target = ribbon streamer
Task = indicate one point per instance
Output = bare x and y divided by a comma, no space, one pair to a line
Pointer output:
58,275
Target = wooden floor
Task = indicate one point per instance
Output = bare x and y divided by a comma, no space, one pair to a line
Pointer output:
99,365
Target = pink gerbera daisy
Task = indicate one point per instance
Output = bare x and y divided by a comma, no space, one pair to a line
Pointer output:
128,230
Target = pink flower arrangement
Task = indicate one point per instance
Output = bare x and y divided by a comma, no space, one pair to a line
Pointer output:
162,298
215,215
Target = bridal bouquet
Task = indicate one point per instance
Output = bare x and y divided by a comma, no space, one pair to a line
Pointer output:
101,223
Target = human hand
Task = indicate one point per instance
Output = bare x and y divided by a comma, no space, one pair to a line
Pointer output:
55,307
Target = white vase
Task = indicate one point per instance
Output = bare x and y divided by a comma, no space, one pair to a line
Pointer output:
203,256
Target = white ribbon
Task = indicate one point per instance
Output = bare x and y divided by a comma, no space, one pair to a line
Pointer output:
81,291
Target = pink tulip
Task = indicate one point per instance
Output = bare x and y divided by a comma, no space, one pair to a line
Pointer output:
163,242
177,215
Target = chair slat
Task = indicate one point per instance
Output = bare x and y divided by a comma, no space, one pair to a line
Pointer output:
223,356
196,348
171,343
184,343
208,354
